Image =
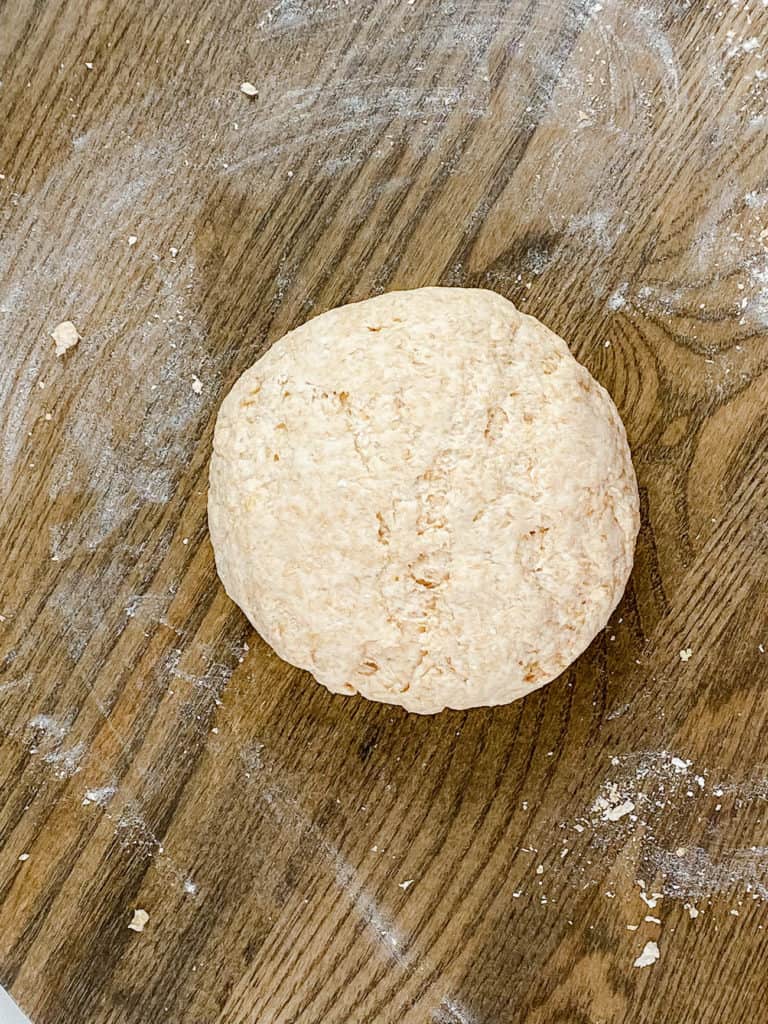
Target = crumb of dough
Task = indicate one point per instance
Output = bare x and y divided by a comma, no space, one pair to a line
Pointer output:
614,813
249,89
649,956
23,856
132,239
685,654
652,900
140,918
65,335
406,884
197,385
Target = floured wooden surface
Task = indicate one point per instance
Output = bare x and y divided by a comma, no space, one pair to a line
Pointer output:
601,164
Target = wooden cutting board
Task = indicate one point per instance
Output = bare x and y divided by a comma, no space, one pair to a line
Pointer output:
306,858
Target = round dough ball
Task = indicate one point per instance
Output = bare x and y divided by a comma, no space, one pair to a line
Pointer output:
423,498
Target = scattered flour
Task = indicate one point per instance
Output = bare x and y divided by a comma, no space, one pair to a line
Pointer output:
139,920
65,763
757,300
21,683
100,796
450,1011
617,300
664,793
287,811
251,756
52,729
697,875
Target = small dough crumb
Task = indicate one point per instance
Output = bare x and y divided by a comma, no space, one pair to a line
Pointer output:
406,884
685,654
649,956
197,385
65,335
249,89
140,918
23,856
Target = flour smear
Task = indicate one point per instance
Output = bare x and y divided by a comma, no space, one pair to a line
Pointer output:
657,797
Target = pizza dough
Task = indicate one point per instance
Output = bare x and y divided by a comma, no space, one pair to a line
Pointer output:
423,498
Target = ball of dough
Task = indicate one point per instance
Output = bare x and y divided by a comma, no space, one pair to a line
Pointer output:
423,498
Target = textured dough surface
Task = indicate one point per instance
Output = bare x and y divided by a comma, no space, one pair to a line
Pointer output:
423,498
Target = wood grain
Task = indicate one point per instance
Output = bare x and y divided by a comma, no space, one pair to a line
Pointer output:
604,166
